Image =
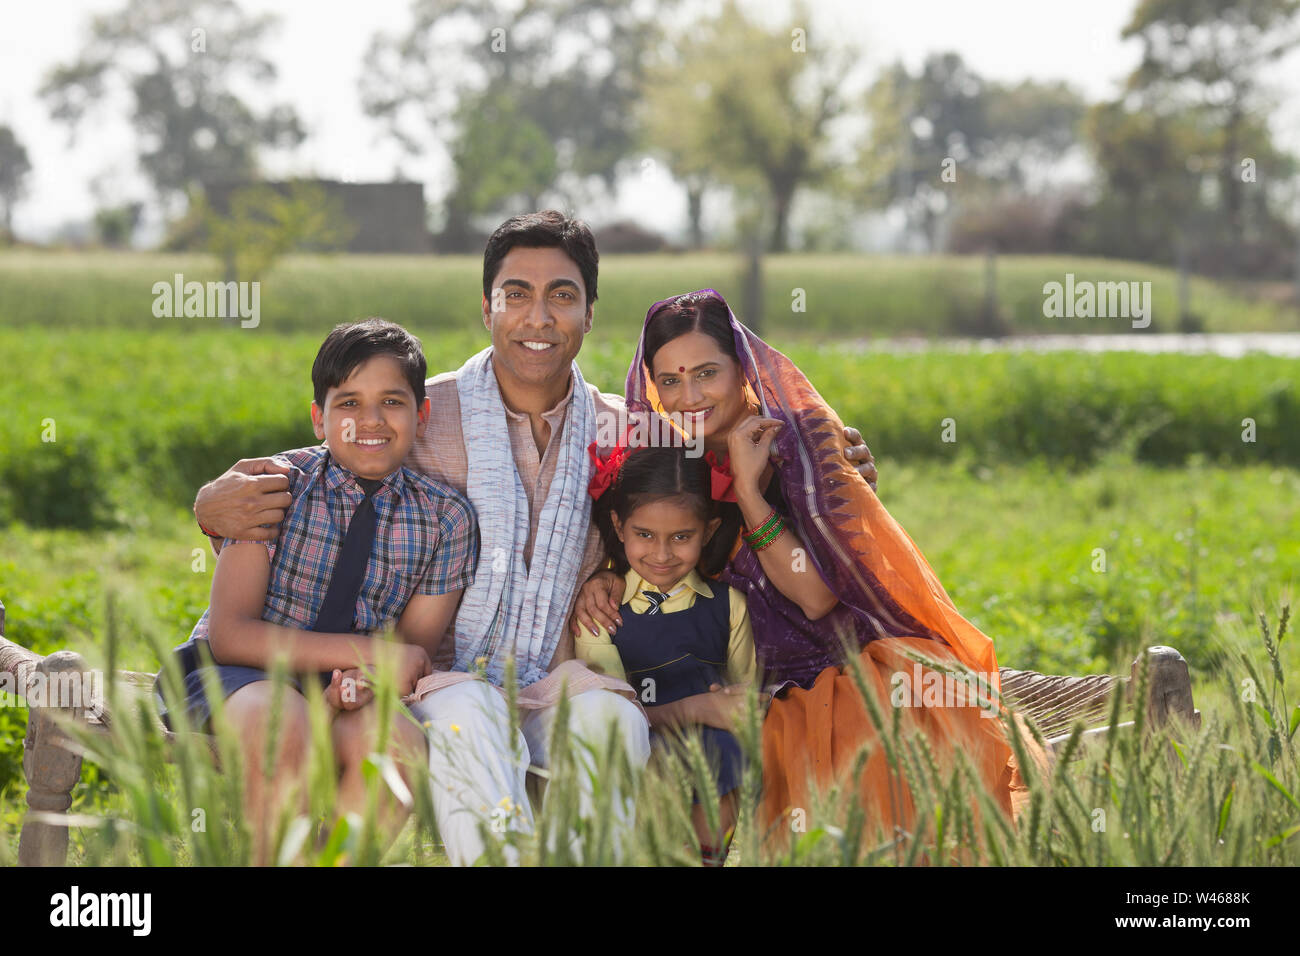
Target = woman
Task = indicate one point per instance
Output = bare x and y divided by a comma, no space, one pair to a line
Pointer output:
824,567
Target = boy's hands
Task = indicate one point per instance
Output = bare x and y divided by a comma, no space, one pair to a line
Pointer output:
721,707
409,663
343,696
253,493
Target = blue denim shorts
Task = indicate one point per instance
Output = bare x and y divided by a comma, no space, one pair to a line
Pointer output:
230,678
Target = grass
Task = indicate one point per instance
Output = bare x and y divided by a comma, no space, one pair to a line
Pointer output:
1223,795
842,295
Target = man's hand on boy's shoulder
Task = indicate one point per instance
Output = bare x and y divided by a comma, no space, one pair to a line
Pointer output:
248,502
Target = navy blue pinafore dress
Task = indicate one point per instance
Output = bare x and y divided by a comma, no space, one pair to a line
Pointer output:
668,656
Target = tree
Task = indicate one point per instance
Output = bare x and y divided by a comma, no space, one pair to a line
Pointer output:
560,76
179,62
14,168
750,106
500,155
685,146
265,222
115,225
1212,54
1204,63
947,125
1029,127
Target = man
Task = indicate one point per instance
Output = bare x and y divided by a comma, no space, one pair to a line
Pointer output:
523,396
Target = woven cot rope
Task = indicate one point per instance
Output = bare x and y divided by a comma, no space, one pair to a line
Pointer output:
1054,703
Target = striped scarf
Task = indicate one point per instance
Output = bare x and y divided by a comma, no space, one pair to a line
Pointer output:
513,608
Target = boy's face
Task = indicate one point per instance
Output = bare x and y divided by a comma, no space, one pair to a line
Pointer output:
371,420
537,297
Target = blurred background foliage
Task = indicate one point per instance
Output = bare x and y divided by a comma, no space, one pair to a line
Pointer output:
782,119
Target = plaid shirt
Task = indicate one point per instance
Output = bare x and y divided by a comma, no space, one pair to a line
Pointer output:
426,542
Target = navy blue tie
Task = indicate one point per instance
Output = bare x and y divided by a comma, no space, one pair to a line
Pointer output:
338,609
655,598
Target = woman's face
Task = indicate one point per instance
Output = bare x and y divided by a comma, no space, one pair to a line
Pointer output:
702,384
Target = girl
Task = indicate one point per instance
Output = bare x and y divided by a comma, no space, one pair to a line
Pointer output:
686,645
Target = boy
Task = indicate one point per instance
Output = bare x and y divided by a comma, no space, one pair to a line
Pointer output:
366,544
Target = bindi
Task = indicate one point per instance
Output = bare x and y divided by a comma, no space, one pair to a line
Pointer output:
681,368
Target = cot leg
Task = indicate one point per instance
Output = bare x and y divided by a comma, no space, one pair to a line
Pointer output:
51,768
1171,688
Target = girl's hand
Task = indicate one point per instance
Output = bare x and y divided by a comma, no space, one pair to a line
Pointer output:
597,604
726,706
750,446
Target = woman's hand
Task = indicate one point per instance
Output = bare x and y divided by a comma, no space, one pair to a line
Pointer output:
598,603
749,446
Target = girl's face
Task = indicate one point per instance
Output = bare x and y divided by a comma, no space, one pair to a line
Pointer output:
663,540
703,384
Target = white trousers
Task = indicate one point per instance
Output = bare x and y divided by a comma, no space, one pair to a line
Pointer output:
478,772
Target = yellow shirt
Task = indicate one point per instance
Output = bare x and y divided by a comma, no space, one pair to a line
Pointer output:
600,654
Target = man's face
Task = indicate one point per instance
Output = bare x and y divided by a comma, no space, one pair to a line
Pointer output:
537,315
371,420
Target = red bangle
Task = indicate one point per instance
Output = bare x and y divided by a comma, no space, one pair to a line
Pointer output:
205,530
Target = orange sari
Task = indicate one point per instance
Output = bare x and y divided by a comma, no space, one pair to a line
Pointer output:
891,605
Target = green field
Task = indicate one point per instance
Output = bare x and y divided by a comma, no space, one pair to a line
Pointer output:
129,408
1056,459
843,295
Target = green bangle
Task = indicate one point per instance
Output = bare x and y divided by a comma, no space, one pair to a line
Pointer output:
767,524
766,534
771,536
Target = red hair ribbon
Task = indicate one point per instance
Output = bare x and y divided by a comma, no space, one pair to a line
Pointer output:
720,477
605,470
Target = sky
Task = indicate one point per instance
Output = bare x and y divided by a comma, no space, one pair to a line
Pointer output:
320,44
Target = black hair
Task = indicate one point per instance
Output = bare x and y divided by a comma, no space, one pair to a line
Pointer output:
689,313
350,344
659,473
543,230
